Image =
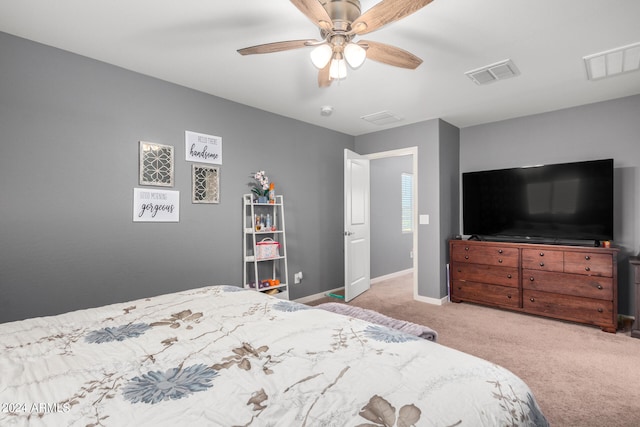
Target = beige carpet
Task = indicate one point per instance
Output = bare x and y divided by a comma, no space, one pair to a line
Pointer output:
580,375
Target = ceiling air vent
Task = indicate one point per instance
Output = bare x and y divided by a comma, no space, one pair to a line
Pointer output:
382,118
611,62
494,72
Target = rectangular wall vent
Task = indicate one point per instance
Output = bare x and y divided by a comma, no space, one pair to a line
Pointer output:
382,118
612,62
494,72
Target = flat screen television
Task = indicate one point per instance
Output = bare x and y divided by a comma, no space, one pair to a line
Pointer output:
556,203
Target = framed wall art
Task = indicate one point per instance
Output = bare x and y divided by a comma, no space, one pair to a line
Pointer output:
156,164
203,148
205,183
152,205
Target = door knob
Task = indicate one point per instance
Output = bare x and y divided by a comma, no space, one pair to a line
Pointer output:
348,233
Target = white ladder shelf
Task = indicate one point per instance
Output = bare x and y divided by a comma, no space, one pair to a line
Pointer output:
265,274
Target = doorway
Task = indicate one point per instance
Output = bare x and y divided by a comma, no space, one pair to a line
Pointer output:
413,153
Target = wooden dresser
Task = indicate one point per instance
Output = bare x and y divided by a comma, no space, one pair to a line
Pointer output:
572,283
634,262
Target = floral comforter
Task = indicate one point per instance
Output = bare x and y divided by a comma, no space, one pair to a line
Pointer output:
223,356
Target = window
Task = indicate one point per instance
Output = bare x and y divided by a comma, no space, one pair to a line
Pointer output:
407,202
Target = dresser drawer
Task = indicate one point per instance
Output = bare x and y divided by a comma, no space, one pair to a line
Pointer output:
484,293
505,276
568,284
541,259
584,310
491,255
594,264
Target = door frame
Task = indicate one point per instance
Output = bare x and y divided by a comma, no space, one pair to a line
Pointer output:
413,152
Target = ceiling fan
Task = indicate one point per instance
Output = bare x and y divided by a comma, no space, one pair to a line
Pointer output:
340,21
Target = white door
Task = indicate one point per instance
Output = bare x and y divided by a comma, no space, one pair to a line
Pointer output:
357,259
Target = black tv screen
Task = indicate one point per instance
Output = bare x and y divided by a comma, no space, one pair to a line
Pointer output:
570,201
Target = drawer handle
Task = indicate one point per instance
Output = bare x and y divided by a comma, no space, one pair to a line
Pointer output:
599,286
466,248
587,257
587,269
466,257
509,296
542,264
531,279
600,310
541,253
509,276
459,270
500,260
532,299
499,251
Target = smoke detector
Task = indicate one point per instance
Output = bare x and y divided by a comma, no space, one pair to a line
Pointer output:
326,110
494,72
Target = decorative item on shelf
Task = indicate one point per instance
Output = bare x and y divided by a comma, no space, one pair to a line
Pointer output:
258,223
261,187
272,193
264,284
268,283
267,248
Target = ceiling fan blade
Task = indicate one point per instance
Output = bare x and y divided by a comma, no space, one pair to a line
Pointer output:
391,55
315,12
385,12
276,47
323,76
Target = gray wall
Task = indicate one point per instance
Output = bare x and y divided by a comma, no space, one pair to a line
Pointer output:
603,130
69,136
69,132
437,144
390,247
449,185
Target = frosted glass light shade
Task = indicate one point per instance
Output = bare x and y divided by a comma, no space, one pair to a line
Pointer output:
321,55
338,70
355,55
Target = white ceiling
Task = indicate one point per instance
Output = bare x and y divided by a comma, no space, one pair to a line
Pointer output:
193,43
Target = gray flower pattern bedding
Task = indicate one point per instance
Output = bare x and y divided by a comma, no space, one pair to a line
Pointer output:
224,356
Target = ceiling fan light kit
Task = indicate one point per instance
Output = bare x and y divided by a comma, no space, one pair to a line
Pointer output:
355,55
338,69
340,21
321,55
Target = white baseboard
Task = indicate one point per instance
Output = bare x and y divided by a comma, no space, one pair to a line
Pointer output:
429,300
314,297
391,275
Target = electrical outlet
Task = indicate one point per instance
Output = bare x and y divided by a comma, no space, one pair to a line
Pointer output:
297,278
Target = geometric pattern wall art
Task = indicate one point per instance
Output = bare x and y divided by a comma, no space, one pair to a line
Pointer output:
206,184
156,164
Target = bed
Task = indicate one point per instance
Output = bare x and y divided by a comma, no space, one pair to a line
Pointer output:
225,356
